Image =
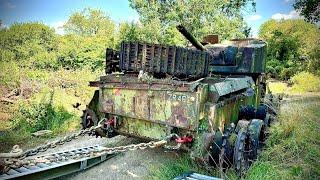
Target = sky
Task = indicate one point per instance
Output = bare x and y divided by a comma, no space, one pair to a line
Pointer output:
55,12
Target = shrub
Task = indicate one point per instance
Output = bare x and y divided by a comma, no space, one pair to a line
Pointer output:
305,82
34,117
10,74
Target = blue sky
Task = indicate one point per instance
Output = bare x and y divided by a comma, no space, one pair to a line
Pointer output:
55,12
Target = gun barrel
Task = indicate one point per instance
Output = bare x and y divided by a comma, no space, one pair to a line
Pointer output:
190,38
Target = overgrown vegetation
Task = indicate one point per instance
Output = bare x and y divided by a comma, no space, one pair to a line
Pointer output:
169,170
293,46
293,148
51,72
303,82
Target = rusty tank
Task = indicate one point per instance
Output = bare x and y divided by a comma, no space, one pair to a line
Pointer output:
212,96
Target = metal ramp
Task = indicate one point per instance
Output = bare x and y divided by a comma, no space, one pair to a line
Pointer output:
195,176
59,168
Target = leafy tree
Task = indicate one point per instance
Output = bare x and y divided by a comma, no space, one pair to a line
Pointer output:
128,32
89,32
310,9
292,47
150,32
24,41
199,17
90,22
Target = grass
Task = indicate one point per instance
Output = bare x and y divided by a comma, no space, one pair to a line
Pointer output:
300,83
293,148
169,169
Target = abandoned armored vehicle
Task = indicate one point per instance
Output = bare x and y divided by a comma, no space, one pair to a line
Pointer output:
210,99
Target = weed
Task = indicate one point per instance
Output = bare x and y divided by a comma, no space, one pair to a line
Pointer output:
169,170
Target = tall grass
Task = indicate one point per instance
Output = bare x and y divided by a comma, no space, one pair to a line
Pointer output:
293,148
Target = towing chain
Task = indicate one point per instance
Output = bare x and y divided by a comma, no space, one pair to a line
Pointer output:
17,159
17,152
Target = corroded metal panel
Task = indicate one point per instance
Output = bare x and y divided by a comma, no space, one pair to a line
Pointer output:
230,85
238,56
226,112
176,108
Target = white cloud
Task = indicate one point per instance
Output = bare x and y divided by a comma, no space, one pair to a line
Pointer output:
254,17
286,1
292,15
58,27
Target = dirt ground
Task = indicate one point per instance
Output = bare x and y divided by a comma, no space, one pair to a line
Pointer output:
127,165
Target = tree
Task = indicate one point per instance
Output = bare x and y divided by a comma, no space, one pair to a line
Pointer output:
90,22
199,17
309,9
23,41
89,32
292,47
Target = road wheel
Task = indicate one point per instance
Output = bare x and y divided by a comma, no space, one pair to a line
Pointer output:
241,149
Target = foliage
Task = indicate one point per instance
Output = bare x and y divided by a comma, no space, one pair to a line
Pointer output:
302,82
150,33
22,41
90,22
305,82
292,47
35,117
10,74
276,87
199,17
310,9
76,52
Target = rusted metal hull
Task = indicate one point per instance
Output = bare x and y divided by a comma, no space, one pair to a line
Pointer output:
155,109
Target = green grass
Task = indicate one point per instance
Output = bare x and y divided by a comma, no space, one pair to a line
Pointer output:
169,169
300,83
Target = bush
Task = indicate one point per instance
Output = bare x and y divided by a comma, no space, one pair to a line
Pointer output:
10,74
33,117
305,82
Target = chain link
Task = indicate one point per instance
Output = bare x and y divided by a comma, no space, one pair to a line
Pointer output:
16,160
16,163
18,154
